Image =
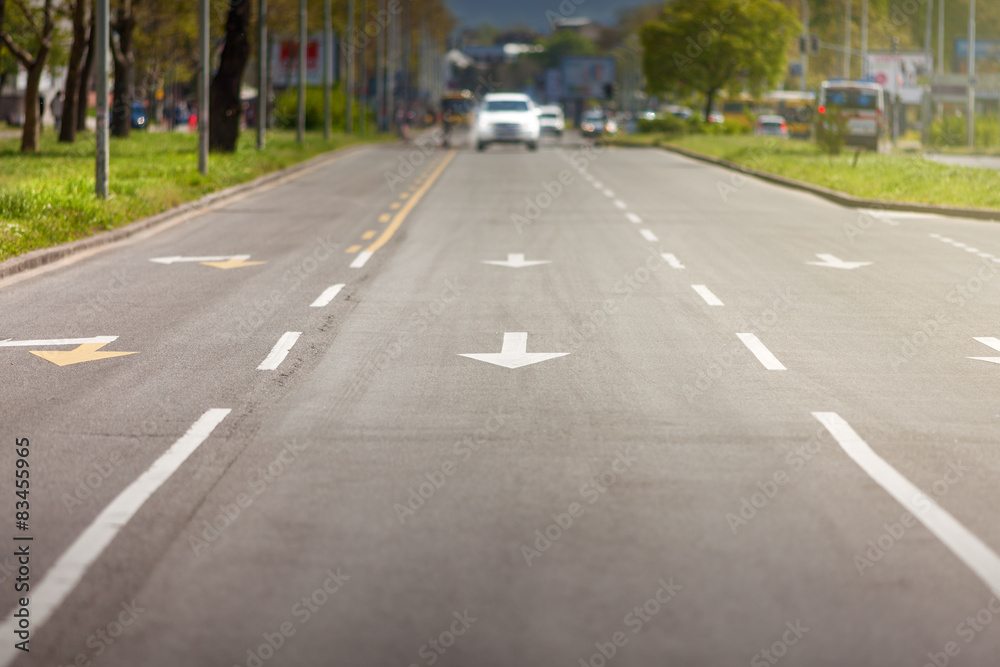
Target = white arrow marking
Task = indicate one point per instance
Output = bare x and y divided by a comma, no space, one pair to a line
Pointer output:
214,258
514,353
672,261
837,263
966,546
517,261
57,341
992,342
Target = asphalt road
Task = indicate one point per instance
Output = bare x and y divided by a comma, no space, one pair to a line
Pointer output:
755,386
978,161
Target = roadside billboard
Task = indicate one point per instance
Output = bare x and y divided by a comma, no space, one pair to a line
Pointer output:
587,76
902,74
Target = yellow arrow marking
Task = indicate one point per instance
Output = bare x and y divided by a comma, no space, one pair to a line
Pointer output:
231,264
85,352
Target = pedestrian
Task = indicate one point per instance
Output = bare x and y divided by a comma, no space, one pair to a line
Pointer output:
41,113
57,109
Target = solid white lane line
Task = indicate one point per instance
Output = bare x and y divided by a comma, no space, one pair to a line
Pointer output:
327,296
966,546
66,573
763,354
707,295
279,351
57,341
620,204
648,235
672,261
632,217
361,259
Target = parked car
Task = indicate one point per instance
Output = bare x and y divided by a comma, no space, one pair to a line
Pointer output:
552,120
507,118
716,117
771,126
139,118
680,112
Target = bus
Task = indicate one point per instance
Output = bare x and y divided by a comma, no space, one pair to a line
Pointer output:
862,103
796,106
457,106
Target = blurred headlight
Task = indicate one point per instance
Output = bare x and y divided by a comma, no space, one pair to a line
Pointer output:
587,127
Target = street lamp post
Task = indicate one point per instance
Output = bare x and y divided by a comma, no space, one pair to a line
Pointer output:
971,104
101,44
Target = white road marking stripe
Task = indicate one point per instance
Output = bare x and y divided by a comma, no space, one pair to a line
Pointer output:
597,184
763,354
57,341
964,544
620,204
279,351
68,571
707,295
327,296
609,193
361,259
672,261
633,217
648,235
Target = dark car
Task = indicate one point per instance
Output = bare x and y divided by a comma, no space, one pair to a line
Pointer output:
139,118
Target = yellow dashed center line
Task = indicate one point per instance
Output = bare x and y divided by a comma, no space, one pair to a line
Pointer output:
404,195
384,217
394,205
401,216
353,249
369,235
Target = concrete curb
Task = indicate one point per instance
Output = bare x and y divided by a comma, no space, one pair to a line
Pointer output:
43,256
840,197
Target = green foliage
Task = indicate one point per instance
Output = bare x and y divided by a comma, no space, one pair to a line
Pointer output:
831,131
563,43
704,46
954,131
286,108
48,198
674,126
667,125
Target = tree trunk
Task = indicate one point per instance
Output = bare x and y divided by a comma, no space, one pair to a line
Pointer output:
709,101
88,67
224,98
121,108
67,129
30,135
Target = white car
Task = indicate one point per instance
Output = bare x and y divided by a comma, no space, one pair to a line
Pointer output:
552,119
507,118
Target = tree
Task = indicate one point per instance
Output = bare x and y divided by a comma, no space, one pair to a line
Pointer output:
72,89
563,43
85,70
224,97
705,46
40,27
124,57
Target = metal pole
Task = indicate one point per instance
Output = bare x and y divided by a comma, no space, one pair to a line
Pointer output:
102,45
380,66
940,63
349,44
262,92
925,107
300,128
203,86
971,106
327,68
864,38
363,49
847,40
804,56
390,73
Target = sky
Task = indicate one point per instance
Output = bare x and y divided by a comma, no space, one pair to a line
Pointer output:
503,13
